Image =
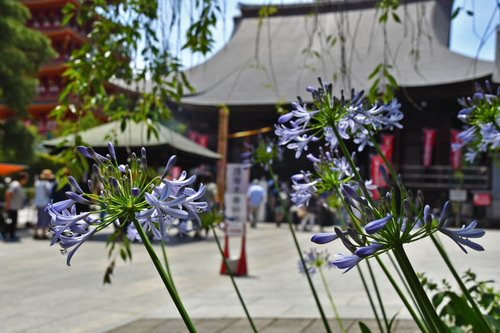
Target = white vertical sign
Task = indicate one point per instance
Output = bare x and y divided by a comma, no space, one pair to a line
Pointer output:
235,198
237,178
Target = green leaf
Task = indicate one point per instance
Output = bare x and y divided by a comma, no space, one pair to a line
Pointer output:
123,254
391,79
438,299
373,90
363,327
456,12
396,17
375,71
66,18
383,17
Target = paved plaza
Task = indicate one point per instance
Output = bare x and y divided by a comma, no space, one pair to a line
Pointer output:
39,293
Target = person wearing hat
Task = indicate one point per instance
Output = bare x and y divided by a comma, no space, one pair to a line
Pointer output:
43,193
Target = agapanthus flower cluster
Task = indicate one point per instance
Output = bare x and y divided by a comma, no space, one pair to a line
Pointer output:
353,118
126,194
315,260
330,171
481,114
399,217
264,153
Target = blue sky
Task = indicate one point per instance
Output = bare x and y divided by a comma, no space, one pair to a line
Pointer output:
466,34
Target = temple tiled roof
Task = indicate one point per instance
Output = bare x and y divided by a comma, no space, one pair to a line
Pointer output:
272,60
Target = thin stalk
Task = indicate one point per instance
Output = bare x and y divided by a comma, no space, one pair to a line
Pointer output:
299,250
370,299
341,325
165,259
398,271
485,327
402,296
428,310
375,286
163,275
230,273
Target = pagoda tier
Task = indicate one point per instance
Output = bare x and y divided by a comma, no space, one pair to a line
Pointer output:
47,16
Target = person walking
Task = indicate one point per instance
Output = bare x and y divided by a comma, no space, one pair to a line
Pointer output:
255,195
43,194
14,200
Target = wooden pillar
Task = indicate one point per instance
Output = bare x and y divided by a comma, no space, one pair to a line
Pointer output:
222,150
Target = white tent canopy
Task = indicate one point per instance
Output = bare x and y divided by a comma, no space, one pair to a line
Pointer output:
136,135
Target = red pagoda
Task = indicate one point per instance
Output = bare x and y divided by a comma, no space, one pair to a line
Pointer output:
46,16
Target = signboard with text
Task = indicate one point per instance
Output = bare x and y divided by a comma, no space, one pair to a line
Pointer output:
236,212
482,199
235,198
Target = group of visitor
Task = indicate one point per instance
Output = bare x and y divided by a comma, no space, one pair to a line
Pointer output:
45,191
265,203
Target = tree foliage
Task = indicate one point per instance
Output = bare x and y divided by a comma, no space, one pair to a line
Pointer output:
22,52
127,69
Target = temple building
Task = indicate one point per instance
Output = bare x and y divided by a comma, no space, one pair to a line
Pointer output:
46,16
270,60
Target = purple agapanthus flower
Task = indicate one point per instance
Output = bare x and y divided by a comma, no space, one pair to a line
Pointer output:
350,118
377,225
69,229
127,194
314,260
346,262
366,251
325,237
461,236
304,188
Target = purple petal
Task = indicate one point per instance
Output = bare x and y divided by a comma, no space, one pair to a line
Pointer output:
78,198
324,238
111,149
347,261
367,251
74,183
377,225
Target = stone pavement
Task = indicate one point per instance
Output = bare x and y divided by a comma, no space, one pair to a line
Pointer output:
39,293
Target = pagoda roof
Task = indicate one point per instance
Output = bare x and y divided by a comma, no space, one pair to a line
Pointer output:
272,60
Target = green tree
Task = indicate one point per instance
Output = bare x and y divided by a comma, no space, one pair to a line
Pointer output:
22,52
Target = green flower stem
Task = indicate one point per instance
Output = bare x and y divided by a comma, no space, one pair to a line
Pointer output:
375,286
339,320
402,296
432,318
485,327
230,273
165,259
163,275
297,246
347,155
370,299
398,271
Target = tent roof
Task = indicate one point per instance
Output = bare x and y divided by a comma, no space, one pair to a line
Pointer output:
135,135
274,61
7,169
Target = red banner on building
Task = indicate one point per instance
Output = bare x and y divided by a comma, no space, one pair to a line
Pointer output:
193,136
429,135
482,199
202,140
376,162
455,155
